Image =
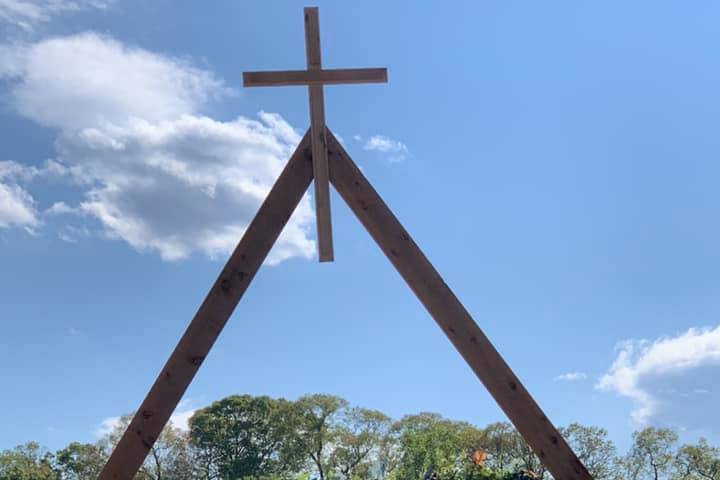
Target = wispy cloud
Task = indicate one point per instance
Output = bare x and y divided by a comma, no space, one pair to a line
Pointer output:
60,208
17,207
396,150
107,426
570,377
667,378
25,14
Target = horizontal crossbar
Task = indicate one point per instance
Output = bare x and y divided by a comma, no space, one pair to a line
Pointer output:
315,77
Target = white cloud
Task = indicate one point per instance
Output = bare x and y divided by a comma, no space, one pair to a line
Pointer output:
570,377
24,173
181,417
156,172
12,59
60,208
662,375
17,207
26,13
88,80
380,143
186,185
107,426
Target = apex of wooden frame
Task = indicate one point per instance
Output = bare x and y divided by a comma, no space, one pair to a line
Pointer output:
336,166
315,77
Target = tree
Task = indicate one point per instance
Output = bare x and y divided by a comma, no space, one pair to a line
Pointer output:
171,457
431,445
527,463
244,436
499,442
389,453
651,455
698,462
27,462
594,449
80,461
359,434
318,416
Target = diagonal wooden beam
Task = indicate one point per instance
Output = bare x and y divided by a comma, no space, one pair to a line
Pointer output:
332,76
452,317
168,389
318,140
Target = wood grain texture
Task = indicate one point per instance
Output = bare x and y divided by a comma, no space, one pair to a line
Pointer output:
332,76
212,316
312,38
451,316
318,139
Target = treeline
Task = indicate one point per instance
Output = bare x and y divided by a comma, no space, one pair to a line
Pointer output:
323,437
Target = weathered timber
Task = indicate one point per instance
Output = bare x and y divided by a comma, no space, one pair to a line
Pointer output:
318,140
333,76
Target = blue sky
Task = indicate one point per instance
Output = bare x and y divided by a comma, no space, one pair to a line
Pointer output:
558,162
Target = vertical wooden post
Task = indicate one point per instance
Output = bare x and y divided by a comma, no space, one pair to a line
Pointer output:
231,284
451,316
319,141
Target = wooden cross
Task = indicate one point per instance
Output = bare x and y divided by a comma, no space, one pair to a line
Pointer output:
315,77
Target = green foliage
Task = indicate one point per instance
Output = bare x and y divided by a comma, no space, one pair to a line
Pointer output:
593,448
359,433
318,416
499,441
246,437
320,437
80,461
698,462
508,454
651,455
27,462
433,445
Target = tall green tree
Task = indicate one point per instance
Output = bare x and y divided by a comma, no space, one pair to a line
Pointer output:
651,456
243,436
525,460
594,449
431,445
80,461
358,439
499,442
319,416
389,453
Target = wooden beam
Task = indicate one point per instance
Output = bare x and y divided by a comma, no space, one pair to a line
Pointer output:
231,284
452,317
318,140
332,76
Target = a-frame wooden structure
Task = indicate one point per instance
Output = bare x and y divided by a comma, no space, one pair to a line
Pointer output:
321,157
